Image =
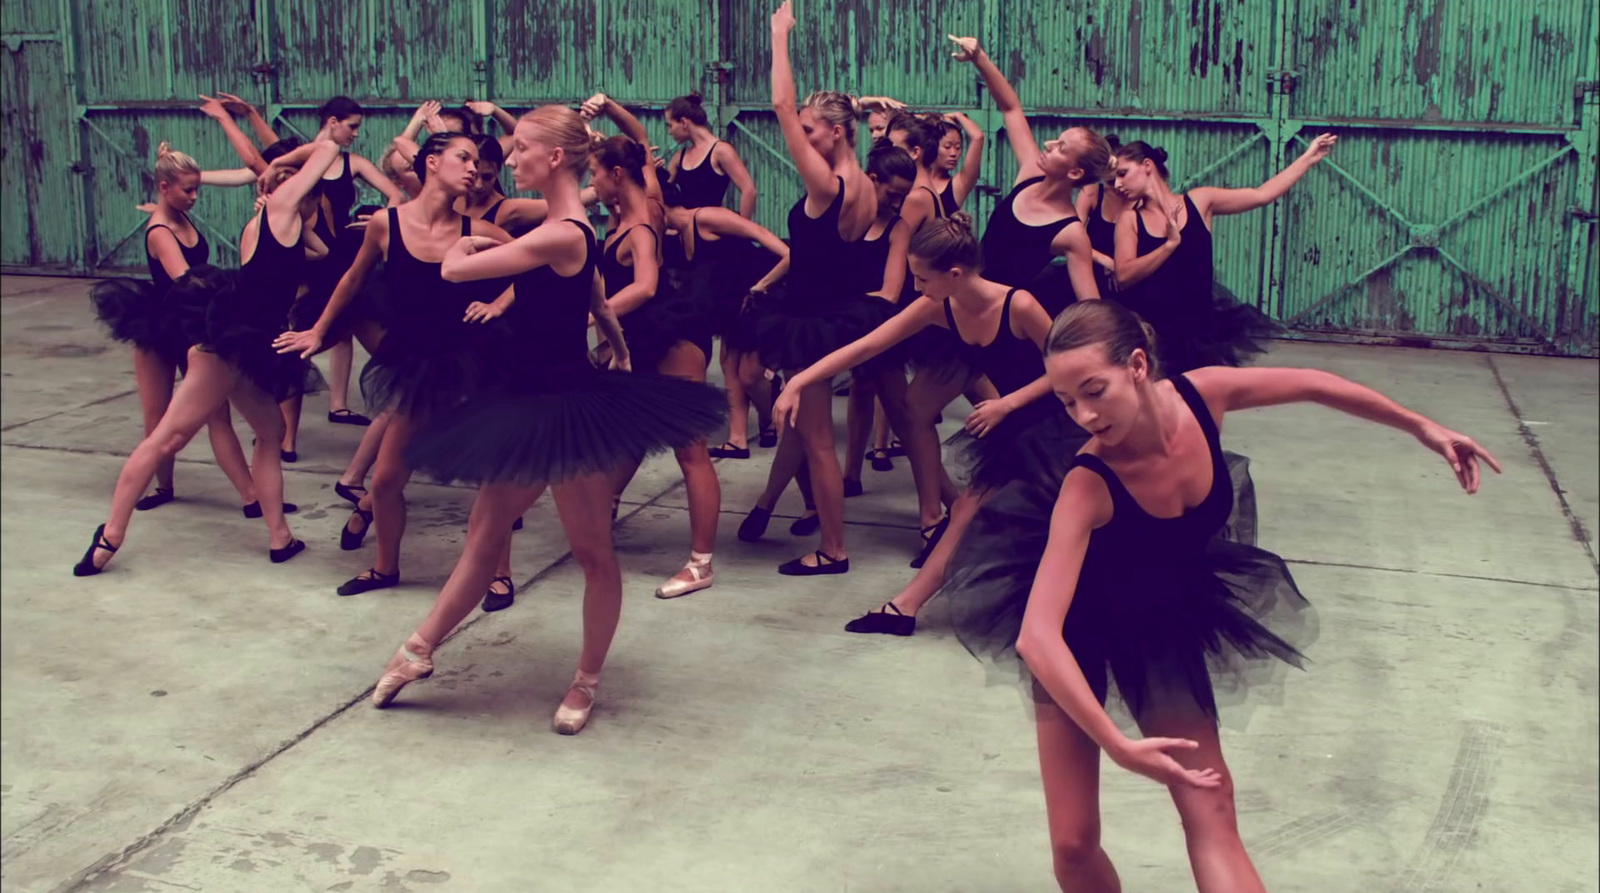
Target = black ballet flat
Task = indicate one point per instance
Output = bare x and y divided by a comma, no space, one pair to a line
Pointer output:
348,493
289,456
754,526
350,540
161,497
880,460
729,451
348,417
896,449
897,623
517,524
805,525
826,564
769,437
253,510
852,488
370,580
279,556
930,539
499,601
85,567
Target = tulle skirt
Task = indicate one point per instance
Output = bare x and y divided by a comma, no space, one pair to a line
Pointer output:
425,375
801,329
1036,443
552,425
240,325
136,315
370,303
652,329
1210,628
1224,333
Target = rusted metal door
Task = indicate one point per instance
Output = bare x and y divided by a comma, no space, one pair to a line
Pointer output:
41,219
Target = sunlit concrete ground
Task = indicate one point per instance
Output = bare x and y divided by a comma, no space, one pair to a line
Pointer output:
195,718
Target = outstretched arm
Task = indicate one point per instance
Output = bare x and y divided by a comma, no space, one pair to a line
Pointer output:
1228,389
893,331
368,171
1214,200
213,109
310,341
1018,134
729,225
815,171
238,176
258,125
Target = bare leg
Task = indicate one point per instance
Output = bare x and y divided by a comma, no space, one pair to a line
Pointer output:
207,384
738,401
1069,766
340,358
880,427
225,446
753,377
858,424
264,416
704,490
388,499
931,575
816,435
488,532
291,409
1210,824
355,474
927,396
154,377
786,462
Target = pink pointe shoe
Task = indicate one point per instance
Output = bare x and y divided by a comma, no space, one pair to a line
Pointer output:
570,720
415,661
695,576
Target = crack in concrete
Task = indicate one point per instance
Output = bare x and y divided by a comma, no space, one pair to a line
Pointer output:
1423,573
117,396
1532,441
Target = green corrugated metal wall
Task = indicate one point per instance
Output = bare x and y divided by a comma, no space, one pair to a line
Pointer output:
1459,208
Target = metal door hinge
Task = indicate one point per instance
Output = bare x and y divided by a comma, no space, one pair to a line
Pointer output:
264,70
1582,90
720,71
81,168
1282,81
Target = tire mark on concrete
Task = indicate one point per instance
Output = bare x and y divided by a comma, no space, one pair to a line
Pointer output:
1461,810
1304,832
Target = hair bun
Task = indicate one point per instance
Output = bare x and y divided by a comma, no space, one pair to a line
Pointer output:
961,219
695,99
1158,155
164,149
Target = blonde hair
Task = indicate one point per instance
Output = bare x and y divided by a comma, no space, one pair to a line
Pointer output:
1093,154
948,242
564,129
834,108
172,164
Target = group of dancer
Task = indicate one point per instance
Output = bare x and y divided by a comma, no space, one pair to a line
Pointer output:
1100,533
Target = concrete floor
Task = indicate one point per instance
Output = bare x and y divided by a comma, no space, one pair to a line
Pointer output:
196,718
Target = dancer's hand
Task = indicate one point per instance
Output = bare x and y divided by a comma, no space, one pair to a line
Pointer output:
212,108
621,362
1461,451
425,112
986,415
304,343
786,409
1321,146
235,105
593,107
783,19
1149,757
967,48
1174,228
475,244
481,108
478,311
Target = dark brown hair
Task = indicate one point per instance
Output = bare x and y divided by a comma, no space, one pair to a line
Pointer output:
1139,150
689,108
948,242
620,151
1103,322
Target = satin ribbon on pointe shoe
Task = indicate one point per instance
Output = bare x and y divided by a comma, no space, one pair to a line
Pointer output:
571,720
701,576
417,664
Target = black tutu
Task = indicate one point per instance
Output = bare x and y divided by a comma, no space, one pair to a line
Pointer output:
936,351
136,315
794,333
1227,333
654,327
556,427
240,329
1208,628
424,375
738,322
1035,443
725,283
369,303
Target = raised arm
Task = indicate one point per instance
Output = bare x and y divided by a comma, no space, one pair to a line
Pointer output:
1214,200
246,150
419,118
633,129
815,171
263,131
476,257
1130,267
285,200
521,213
238,176
966,179
1018,133
733,166
1228,389
490,110
375,178
729,225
